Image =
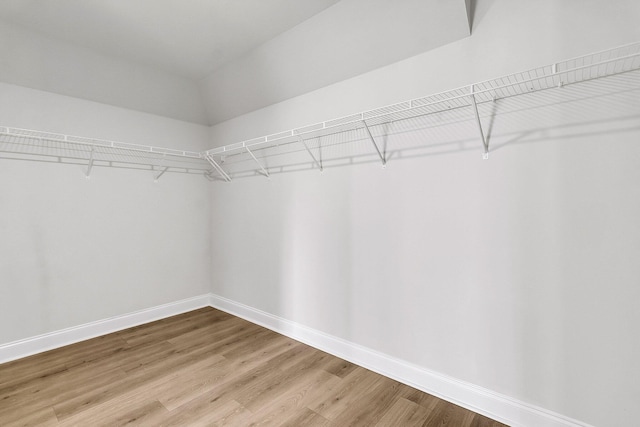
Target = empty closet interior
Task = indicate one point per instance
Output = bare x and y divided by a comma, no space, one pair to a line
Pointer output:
444,193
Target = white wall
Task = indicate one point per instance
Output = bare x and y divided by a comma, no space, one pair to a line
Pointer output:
74,251
32,60
342,41
507,37
518,274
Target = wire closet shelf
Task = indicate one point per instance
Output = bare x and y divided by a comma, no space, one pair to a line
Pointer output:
364,135
35,145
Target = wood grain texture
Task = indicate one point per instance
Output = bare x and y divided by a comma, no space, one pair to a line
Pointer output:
205,368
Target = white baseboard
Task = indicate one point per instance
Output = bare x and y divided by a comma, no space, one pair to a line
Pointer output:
478,399
41,343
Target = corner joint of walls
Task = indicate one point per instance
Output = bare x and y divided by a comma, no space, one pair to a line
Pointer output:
483,401
477,399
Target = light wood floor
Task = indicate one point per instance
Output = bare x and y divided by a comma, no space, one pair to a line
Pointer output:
207,367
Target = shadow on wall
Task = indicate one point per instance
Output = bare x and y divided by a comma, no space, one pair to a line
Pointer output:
475,14
603,105
89,153
596,106
342,252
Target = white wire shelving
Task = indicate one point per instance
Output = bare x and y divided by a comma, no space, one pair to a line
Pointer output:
608,79
33,145
369,135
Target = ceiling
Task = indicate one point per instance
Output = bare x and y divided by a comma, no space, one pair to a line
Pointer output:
190,38
207,61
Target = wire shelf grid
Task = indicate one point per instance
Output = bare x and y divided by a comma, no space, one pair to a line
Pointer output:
446,107
374,135
61,148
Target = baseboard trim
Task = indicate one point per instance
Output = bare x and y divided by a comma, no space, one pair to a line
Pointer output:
478,399
49,341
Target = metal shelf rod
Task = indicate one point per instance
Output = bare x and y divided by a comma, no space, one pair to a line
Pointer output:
259,164
310,153
218,168
88,173
373,141
475,111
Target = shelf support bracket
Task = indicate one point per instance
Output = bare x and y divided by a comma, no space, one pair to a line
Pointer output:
554,71
264,171
87,174
485,154
160,167
319,164
157,177
217,167
373,141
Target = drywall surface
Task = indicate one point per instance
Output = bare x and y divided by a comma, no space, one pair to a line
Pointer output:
507,37
74,251
33,60
344,40
518,274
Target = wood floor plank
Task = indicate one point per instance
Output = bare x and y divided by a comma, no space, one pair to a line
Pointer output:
139,411
32,368
181,383
339,367
172,326
290,403
253,343
293,378
212,412
346,394
96,349
187,387
416,396
49,393
42,417
447,414
228,372
372,404
404,413
206,368
242,374
482,421
306,417
212,332
149,379
149,414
